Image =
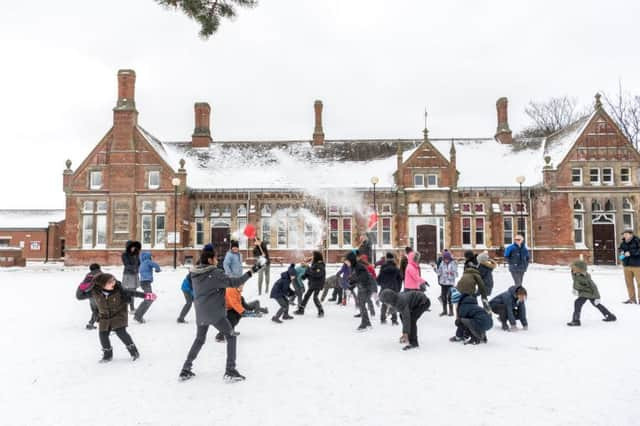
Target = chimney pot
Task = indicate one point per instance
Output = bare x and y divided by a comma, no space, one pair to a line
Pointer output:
126,90
318,132
201,137
503,133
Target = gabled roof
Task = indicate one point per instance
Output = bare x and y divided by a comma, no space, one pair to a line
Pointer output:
558,144
29,219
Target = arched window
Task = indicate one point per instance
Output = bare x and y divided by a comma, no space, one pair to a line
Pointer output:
626,204
608,206
578,206
596,206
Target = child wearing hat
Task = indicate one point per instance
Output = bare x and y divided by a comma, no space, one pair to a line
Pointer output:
447,272
586,290
84,292
486,265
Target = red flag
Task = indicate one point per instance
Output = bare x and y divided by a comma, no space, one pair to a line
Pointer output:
373,219
250,231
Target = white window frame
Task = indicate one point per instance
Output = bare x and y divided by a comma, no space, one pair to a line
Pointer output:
160,233
467,230
151,176
266,231
101,231
347,240
386,232
579,181
92,184
591,181
334,235
630,215
87,231
507,234
146,219
480,231
435,179
417,177
625,178
578,229
282,233
611,178
199,232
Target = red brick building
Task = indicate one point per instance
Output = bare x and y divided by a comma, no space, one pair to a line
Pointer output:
36,235
579,189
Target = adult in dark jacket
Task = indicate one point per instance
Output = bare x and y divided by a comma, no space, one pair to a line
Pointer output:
472,320
510,306
112,301
209,284
517,255
260,249
281,291
362,280
630,256
389,278
315,275
84,292
131,263
411,305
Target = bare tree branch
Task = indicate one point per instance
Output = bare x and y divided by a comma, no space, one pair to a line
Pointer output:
624,108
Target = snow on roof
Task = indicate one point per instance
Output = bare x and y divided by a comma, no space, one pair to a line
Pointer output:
157,146
29,219
558,145
488,163
289,164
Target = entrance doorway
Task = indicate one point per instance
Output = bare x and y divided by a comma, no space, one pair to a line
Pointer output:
427,243
604,240
221,239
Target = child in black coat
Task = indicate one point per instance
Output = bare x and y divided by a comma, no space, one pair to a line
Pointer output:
281,291
84,292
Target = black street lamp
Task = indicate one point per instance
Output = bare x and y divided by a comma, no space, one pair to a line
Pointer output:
374,181
520,180
176,183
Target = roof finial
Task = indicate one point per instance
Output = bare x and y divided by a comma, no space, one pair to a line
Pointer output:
598,104
452,150
425,131
68,164
182,163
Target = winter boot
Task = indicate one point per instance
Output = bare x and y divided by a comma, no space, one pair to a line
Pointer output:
219,337
320,313
90,326
473,340
394,322
505,326
363,327
410,346
186,374
383,320
276,320
287,317
450,309
107,355
456,339
140,320
299,311
133,351
232,376
358,315
610,318
443,313
264,310
181,321
574,323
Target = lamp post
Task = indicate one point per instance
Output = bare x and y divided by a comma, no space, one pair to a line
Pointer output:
520,180
176,183
374,181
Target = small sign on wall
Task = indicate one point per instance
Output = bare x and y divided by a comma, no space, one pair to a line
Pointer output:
171,238
35,245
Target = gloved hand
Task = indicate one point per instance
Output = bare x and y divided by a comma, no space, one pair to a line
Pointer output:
255,268
404,338
621,257
150,296
596,302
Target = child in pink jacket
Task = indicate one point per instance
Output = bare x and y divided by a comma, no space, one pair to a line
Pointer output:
412,279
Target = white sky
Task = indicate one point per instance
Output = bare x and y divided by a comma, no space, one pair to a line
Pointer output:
375,64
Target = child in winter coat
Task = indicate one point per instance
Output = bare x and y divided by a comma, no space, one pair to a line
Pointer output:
471,283
131,263
412,279
187,292
447,272
510,306
586,289
237,308
389,278
472,321
281,291
112,301
298,284
147,266
361,279
316,275
411,305
343,274
84,292
486,265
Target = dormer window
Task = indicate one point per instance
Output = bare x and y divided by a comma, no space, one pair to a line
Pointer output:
95,179
432,181
576,176
418,180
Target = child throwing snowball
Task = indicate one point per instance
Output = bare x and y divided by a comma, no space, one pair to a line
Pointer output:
586,290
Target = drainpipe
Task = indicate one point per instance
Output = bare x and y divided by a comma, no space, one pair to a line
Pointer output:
46,253
531,233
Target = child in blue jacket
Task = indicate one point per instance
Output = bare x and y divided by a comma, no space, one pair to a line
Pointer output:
147,266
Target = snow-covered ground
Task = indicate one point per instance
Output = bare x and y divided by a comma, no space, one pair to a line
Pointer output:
312,371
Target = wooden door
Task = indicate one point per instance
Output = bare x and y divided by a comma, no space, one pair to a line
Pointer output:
604,248
221,240
427,242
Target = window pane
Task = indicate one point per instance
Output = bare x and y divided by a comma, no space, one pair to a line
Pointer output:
432,180
426,208
96,180
607,175
479,208
333,232
508,230
87,231
466,208
199,232
576,175
418,180
282,233
101,206
507,208
161,206
87,207
594,175
266,231
522,226
266,211
101,230
146,230
479,231
346,232
466,230
625,175
242,210
147,206
154,179
386,231
627,221
160,231
439,208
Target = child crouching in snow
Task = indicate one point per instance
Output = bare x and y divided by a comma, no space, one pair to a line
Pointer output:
472,321
281,292
585,289
112,301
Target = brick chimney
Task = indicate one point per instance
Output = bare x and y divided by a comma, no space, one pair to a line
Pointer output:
201,137
503,133
125,115
318,133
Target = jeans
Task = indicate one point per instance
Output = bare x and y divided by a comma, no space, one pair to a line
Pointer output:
307,295
364,297
517,276
284,307
105,342
188,301
94,311
263,273
144,306
234,318
445,297
224,326
413,330
580,301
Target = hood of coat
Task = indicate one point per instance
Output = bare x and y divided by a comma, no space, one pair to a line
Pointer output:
132,243
411,258
351,257
471,271
201,269
290,272
389,297
145,256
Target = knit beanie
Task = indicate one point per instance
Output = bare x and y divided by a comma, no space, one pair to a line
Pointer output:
234,243
390,256
447,255
483,257
579,266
